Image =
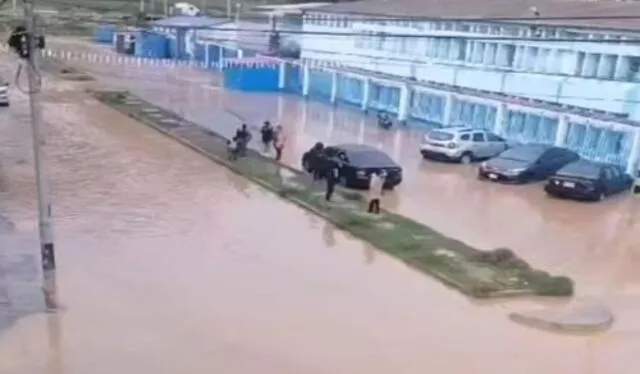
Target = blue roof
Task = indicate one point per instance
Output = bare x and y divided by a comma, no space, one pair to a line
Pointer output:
189,21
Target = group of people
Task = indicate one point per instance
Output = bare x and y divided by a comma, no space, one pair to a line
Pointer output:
271,136
322,168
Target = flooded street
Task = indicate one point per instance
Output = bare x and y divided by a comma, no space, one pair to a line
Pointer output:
596,244
169,263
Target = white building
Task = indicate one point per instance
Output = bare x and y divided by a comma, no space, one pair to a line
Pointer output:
474,62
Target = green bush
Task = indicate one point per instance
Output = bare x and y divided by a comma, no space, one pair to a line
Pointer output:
554,286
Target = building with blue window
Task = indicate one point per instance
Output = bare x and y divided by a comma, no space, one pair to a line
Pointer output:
573,82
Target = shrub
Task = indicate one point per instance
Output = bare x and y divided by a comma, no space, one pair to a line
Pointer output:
503,258
554,286
351,221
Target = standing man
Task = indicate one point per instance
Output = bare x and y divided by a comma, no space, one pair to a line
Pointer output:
279,141
376,185
333,176
267,135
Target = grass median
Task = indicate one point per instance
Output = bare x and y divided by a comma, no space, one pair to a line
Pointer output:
477,273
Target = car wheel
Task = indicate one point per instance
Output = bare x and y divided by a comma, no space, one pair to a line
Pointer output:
466,158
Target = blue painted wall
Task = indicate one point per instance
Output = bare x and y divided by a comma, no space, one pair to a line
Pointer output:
104,33
151,45
252,78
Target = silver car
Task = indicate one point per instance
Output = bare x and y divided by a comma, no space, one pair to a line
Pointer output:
462,144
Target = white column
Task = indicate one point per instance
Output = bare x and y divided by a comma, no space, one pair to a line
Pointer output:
561,133
206,56
361,129
282,71
221,60
365,94
240,53
632,164
305,115
405,102
446,115
334,87
332,124
622,68
305,81
397,145
501,113
280,108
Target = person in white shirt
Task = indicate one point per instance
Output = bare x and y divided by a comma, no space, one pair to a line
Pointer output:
376,183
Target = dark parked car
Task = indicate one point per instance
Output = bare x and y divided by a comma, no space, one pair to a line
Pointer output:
356,162
586,180
525,163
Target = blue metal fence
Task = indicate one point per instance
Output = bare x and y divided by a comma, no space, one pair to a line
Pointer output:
384,97
350,90
427,107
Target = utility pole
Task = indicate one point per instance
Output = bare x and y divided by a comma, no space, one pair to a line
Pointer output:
44,205
229,9
141,6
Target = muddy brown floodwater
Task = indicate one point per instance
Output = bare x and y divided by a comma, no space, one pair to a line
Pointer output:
169,263
596,244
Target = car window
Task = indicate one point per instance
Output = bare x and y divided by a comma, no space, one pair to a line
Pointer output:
478,137
615,172
494,138
608,174
465,137
330,152
440,135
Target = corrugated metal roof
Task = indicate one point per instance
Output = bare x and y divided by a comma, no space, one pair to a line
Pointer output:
478,9
189,21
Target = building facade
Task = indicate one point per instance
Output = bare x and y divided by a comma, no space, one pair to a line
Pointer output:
556,84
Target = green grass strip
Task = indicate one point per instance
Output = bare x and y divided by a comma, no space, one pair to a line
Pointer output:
480,274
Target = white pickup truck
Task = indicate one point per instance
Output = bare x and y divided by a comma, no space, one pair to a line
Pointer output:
4,93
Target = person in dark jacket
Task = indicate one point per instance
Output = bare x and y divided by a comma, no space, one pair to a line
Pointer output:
241,140
267,134
333,176
316,163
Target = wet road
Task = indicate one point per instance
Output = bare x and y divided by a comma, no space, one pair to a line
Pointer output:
596,244
169,263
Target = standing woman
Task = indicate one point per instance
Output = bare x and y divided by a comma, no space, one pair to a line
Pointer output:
279,141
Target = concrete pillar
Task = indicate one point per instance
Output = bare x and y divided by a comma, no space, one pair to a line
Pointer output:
221,61
282,71
334,87
518,56
622,68
366,92
552,63
606,67
240,53
397,144
468,53
306,78
305,115
589,65
501,113
502,55
332,124
361,129
446,115
561,133
207,58
405,103
632,164
541,60
489,56
280,108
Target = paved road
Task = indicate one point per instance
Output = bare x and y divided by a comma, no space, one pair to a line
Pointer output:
597,244
170,264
